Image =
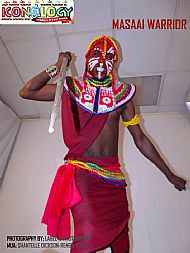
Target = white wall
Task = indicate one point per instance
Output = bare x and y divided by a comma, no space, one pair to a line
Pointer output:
162,221
9,125
160,214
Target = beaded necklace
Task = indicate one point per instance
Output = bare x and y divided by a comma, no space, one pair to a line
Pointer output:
89,80
99,99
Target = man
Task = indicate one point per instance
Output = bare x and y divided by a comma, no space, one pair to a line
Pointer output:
90,182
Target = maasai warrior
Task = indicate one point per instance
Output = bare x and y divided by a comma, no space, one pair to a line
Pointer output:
90,183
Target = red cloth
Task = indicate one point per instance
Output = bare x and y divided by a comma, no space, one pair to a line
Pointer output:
63,195
80,128
101,218
103,210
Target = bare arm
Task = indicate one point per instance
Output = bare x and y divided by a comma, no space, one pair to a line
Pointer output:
37,88
147,148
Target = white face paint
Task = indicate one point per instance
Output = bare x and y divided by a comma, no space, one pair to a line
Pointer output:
110,62
92,62
100,70
109,65
101,64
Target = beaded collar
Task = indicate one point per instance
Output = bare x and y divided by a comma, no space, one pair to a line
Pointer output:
98,99
89,80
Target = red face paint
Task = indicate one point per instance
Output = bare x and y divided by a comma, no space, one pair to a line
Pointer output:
100,58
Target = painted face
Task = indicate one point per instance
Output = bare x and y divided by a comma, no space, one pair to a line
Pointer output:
100,60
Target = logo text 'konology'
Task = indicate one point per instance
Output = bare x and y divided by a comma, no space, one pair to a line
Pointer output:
36,12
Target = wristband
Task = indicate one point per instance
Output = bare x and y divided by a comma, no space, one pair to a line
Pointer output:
52,70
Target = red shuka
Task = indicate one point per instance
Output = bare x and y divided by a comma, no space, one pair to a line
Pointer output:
100,210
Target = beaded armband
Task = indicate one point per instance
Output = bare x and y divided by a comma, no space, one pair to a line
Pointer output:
134,121
52,70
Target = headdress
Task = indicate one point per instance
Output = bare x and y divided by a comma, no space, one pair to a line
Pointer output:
107,41
109,46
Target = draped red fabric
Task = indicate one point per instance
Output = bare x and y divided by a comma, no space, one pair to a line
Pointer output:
100,210
101,217
80,128
63,195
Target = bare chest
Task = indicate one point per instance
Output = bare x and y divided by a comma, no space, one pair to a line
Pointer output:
106,144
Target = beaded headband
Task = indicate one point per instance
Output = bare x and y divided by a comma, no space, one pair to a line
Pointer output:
107,41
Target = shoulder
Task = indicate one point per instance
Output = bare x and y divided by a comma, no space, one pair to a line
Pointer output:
124,92
129,107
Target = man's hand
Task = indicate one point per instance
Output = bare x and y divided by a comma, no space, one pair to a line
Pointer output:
60,59
178,182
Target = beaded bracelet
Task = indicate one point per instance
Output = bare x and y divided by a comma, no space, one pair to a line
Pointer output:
134,121
52,70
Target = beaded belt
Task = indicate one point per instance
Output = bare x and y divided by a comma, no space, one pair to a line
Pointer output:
107,176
